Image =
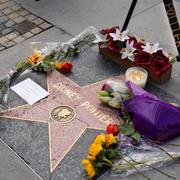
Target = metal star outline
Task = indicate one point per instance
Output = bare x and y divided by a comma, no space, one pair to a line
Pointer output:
90,113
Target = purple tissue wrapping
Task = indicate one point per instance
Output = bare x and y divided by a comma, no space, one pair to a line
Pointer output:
152,117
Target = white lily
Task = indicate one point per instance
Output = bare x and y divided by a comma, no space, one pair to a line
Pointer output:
151,48
169,55
128,52
165,53
119,36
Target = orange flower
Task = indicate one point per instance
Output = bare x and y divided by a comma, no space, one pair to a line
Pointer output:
35,57
110,139
100,139
64,67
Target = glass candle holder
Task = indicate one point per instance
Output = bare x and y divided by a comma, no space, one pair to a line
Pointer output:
137,75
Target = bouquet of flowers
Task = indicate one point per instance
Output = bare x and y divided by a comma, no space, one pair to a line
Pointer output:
148,122
153,117
101,153
52,56
118,152
113,93
6,80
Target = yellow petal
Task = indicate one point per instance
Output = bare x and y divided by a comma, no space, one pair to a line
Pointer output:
110,139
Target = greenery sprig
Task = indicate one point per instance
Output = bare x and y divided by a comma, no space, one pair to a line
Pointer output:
127,127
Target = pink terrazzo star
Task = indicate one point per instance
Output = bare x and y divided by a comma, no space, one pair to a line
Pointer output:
90,113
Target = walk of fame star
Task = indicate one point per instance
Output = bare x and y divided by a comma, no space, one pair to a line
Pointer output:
62,135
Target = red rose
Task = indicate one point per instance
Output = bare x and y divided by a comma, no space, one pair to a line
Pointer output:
64,67
138,46
132,38
160,63
110,30
159,67
113,46
143,59
159,56
112,129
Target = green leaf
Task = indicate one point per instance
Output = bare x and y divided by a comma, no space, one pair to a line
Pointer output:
136,136
127,129
127,117
21,64
173,60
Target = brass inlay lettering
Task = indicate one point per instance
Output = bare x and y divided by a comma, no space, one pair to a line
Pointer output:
68,92
96,112
86,105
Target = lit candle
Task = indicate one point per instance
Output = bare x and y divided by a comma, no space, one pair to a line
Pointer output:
137,75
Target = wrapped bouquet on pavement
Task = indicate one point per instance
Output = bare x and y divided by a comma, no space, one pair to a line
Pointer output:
147,122
142,157
113,93
116,151
152,117
6,80
47,57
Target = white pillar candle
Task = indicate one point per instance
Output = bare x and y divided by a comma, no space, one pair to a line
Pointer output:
137,75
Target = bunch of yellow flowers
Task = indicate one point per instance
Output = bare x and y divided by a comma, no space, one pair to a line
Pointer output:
101,153
35,57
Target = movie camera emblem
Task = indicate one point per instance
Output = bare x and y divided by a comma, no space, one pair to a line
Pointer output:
63,114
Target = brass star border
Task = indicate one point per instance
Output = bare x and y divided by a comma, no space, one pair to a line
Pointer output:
90,113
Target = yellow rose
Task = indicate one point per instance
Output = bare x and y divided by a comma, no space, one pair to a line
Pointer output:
94,150
110,139
89,168
100,139
35,57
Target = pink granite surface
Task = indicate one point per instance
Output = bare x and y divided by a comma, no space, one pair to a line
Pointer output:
63,91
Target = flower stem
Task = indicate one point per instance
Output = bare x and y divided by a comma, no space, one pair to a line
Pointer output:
142,174
157,146
172,177
169,144
108,162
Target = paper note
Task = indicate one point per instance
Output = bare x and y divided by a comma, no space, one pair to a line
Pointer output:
30,91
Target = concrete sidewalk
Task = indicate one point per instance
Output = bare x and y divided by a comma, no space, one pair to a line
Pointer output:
149,20
70,17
